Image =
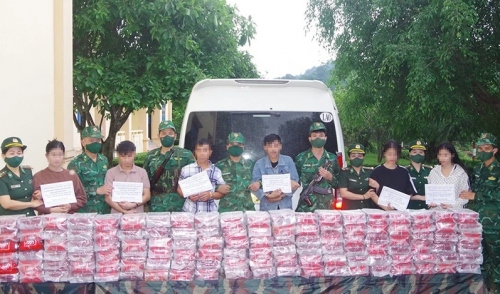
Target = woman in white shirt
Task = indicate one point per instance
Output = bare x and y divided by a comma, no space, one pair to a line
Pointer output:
452,171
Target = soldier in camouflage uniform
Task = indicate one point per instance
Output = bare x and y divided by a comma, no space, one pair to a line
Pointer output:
418,173
164,196
310,162
237,173
91,167
353,181
485,199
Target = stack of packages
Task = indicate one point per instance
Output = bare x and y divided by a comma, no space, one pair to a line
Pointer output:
107,247
399,243
469,246
422,241
30,249
80,238
9,271
234,231
354,242
133,246
210,245
159,251
55,255
261,245
445,241
308,245
332,242
183,261
284,250
377,242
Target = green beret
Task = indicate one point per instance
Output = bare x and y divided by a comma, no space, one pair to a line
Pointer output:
487,139
167,124
317,126
235,138
92,132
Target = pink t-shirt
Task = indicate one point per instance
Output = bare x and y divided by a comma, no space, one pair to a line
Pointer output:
137,175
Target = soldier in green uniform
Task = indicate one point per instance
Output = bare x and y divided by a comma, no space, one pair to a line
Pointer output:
163,166
237,173
353,181
16,181
310,162
485,199
419,173
91,167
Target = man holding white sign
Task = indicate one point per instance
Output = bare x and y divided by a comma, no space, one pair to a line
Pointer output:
275,164
200,192
126,179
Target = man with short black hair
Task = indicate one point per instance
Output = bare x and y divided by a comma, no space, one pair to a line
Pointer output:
275,163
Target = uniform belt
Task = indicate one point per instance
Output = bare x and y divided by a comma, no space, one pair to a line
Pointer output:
322,191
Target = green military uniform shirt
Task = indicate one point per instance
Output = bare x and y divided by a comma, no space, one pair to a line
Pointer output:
357,184
164,196
307,166
419,179
486,185
18,188
238,175
91,174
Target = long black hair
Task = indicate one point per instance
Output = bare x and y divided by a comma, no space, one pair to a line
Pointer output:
454,154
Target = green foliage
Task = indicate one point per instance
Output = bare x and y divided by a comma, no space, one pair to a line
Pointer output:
140,54
320,73
413,69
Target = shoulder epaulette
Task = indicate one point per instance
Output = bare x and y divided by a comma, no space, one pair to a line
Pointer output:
346,168
428,166
26,167
368,167
3,173
407,166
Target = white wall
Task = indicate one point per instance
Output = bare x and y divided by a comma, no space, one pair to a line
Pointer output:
27,75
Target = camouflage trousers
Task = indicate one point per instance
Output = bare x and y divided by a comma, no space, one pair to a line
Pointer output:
491,255
236,201
166,202
96,204
318,202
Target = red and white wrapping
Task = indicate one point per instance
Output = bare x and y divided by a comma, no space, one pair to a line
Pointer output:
183,259
207,224
30,239
181,274
157,225
353,217
233,224
29,223
329,220
380,270
210,242
134,247
240,272
107,224
260,257
377,221
160,248
335,265
151,275
30,258
465,216
184,243
81,221
259,224
306,224
332,242
283,223
469,268
30,271
133,222
182,220
157,264
132,268
9,226
105,242
207,273
55,222
291,271
308,242
264,272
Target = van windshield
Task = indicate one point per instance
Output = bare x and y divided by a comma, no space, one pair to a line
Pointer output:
292,127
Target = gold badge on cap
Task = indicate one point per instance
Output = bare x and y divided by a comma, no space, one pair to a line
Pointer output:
357,146
317,124
419,143
95,129
236,135
14,140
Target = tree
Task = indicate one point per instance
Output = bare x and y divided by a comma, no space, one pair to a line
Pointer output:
138,54
429,68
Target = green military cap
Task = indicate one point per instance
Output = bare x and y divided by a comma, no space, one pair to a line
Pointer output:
235,138
484,139
92,132
356,148
417,144
167,124
12,142
317,126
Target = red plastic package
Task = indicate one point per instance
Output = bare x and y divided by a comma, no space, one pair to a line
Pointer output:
241,272
206,274
55,221
133,222
181,274
425,268
308,241
207,222
182,220
31,242
259,223
56,276
466,216
81,268
132,264
8,246
158,220
353,217
264,272
445,216
155,275
104,223
81,221
30,223
445,268
329,220
106,277
288,260
30,271
184,243
157,264
134,247
311,271
211,242
306,219
236,241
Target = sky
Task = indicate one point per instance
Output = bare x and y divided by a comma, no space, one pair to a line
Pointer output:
281,45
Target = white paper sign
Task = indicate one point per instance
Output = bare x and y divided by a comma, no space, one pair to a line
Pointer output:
56,194
274,182
397,199
196,184
127,192
439,194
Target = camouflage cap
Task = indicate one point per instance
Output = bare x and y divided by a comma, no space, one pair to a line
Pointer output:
92,132
235,138
12,142
317,126
484,139
356,148
417,144
166,124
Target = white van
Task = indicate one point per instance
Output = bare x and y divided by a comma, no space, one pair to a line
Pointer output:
256,108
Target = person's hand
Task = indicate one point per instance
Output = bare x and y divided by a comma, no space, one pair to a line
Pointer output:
370,194
204,196
418,197
445,206
36,202
254,186
127,205
294,185
37,194
61,208
467,195
433,205
325,174
373,183
224,189
194,198
129,211
104,190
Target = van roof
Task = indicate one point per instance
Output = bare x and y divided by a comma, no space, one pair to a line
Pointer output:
259,82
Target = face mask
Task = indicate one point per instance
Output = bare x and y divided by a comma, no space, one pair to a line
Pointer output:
235,150
167,141
483,156
318,142
13,161
357,162
417,158
93,147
